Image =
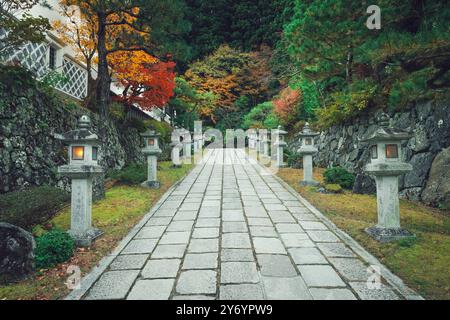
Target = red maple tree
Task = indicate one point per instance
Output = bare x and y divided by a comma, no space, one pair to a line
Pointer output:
150,84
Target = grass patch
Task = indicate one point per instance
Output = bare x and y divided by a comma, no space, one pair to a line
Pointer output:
122,208
422,263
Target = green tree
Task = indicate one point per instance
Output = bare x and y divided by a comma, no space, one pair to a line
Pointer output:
354,68
19,25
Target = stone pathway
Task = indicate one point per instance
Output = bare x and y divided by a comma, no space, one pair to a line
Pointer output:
231,231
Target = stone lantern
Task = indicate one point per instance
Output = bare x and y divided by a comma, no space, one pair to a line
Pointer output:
82,168
151,150
187,152
177,146
307,150
279,144
386,165
266,145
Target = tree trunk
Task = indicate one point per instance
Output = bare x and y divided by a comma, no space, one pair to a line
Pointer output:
103,78
349,65
90,101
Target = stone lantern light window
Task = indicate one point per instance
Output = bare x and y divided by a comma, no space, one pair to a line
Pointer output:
94,153
308,141
77,153
151,142
391,151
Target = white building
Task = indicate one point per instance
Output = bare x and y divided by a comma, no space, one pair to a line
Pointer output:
55,55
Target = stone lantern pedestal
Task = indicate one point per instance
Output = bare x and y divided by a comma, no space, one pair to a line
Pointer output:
386,166
279,144
307,150
82,168
151,150
266,145
187,147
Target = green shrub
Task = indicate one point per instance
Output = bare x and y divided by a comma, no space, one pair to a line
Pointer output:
33,206
294,159
338,175
132,174
333,188
53,247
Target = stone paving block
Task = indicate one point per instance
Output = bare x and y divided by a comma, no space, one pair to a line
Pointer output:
260,222
275,207
305,216
193,297
251,203
200,261
209,212
286,288
190,206
271,201
268,245
204,245
259,231
165,213
236,240
237,255
180,226
238,272
140,246
322,236
129,261
211,203
205,233
169,251
335,250
296,240
288,228
307,256
113,285
320,276
241,292
265,195
313,225
234,226
351,269
156,289
153,232
197,282
331,294
256,212
232,205
232,215
207,222
164,268
176,237
155,221
275,265
281,217
366,293
293,203
185,215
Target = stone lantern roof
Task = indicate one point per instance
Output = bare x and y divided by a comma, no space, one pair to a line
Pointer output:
279,130
385,132
307,132
82,134
150,134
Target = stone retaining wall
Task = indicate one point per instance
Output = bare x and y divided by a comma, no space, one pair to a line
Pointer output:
29,153
429,147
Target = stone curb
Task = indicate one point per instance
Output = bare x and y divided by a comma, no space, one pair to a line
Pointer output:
88,280
391,278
